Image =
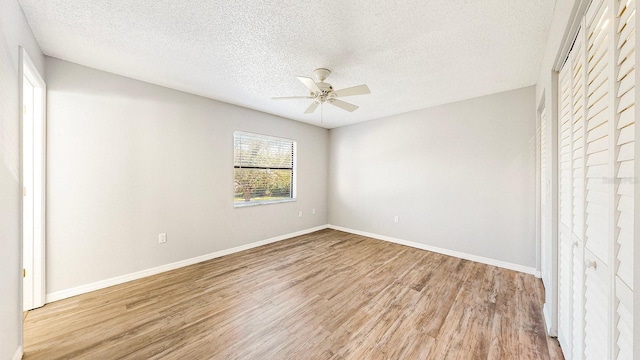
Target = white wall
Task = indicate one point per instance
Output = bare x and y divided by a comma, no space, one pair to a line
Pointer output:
14,32
459,176
128,160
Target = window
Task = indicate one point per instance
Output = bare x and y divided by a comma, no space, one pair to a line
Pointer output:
263,169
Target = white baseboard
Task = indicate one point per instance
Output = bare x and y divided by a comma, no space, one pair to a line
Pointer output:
67,293
458,254
538,274
18,354
63,294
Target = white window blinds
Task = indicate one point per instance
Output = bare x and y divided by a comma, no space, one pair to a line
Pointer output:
264,169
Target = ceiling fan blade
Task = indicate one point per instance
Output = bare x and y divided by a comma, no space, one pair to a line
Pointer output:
343,105
311,108
291,97
309,83
354,90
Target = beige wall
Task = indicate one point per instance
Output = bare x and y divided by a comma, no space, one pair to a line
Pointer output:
129,160
460,177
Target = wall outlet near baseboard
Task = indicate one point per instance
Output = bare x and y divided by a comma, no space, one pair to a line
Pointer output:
396,219
300,213
162,238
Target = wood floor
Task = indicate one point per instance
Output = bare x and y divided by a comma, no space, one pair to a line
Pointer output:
326,295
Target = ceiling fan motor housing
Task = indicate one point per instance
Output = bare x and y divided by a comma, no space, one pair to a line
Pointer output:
325,87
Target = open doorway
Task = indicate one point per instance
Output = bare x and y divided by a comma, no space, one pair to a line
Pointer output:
33,93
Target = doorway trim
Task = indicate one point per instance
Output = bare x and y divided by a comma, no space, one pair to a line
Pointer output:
33,212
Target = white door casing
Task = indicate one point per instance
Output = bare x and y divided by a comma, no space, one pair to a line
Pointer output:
33,101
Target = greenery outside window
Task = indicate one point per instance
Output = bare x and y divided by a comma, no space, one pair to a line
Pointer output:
263,169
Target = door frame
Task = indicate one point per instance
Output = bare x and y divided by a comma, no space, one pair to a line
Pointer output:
33,249
539,185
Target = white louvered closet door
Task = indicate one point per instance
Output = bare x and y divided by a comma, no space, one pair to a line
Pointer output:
625,112
596,150
565,248
599,202
545,217
578,65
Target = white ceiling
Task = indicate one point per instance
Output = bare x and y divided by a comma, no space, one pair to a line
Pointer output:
413,54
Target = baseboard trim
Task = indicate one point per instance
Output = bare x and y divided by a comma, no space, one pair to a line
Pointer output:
63,294
18,354
458,254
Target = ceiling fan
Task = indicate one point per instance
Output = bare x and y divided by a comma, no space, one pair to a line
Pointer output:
322,92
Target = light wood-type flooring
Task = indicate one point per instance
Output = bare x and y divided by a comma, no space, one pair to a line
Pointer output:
325,295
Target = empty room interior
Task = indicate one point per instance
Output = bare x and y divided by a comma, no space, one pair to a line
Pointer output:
318,180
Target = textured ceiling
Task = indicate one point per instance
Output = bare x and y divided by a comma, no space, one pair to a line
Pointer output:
413,54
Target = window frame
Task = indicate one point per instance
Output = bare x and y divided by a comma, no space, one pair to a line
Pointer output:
294,171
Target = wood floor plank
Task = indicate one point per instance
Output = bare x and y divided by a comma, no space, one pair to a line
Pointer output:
504,340
325,295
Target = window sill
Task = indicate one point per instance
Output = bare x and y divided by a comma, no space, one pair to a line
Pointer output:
258,203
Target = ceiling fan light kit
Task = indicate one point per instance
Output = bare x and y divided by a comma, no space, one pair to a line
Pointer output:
322,92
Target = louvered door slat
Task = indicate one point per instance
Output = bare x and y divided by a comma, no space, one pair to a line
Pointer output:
626,139
626,136
598,133
627,100
626,189
599,88
626,66
596,308
624,324
626,118
577,341
625,171
578,61
596,115
625,10
628,47
598,160
599,118
625,146
596,145
626,84
565,258
592,11
600,111
625,251
597,78
565,271
625,205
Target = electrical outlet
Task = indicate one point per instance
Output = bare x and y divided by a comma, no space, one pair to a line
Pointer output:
162,238
300,213
396,219
313,211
